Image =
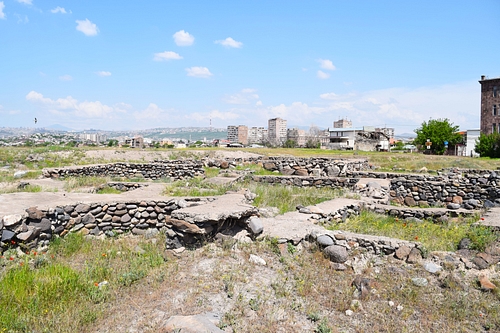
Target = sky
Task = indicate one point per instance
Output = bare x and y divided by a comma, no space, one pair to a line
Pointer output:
125,65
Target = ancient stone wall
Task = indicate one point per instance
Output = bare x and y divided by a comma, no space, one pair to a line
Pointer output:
174,170
37,226
318,167
305,181
469,190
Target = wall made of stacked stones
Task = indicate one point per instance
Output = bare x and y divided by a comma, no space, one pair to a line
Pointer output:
318,167
306,181
174,170
469,190
36,227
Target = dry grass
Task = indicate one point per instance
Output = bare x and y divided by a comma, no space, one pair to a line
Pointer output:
299,292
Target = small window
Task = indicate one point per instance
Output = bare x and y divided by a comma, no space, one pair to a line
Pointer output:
494,129
494,109
495,92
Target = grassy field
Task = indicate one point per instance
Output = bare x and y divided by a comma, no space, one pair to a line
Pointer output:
129,283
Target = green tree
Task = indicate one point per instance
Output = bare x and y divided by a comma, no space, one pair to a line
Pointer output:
488,145
438,131
289,144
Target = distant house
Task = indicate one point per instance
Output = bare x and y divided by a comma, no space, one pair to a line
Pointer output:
468,144
364,139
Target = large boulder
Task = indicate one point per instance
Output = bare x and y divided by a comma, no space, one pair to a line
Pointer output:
336,253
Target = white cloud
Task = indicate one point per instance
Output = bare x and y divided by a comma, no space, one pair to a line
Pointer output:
183,38
152,112
229,42
65,78
326,64
87,27
58,10
70,107
103,73
329,96
2,14
322,75
26,2
405,109
245,96
198,72
258,103
167,55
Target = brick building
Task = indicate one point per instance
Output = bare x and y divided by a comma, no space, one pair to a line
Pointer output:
490,105
238,134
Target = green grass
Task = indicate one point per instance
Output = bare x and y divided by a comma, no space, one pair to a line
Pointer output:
433,236
72,183
195,187
109,190
59,291
287,198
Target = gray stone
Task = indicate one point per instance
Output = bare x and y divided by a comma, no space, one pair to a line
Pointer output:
44,225
7,235
336,253
480,263
325,240
29,235
206,323
82,208
464,243
453,206
88,219
20,174
125,218
420,282
255,225
431,267
257,260
12,220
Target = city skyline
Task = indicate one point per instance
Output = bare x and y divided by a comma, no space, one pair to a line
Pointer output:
128,66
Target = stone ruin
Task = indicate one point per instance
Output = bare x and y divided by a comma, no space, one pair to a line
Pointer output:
192,221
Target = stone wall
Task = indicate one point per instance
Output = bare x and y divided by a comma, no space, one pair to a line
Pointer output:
466,189
36,227
334,182
318,167
123,186
175,170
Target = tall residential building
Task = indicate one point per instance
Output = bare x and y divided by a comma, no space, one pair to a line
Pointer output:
237,134
257,135
276,130
490,105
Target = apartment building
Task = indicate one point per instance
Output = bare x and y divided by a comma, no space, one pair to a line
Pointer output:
237,134
277,130
257,135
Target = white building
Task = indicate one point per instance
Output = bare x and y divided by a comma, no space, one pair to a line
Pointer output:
257,135
277,130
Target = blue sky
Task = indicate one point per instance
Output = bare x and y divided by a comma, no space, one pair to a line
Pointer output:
116,65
